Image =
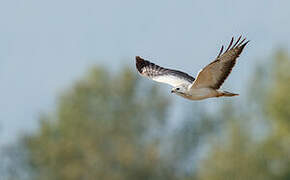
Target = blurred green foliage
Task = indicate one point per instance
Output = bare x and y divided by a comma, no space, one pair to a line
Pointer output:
114,126
100,131
240,155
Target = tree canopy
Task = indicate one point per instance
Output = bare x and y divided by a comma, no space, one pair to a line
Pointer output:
100,130
114,126
241,155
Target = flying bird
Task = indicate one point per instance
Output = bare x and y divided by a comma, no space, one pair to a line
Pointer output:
208,80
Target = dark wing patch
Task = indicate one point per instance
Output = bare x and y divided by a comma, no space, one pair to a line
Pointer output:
160,74
229,57
215,73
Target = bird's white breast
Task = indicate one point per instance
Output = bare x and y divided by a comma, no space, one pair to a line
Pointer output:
201,93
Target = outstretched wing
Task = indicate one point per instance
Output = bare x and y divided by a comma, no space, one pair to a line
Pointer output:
160,74
215,73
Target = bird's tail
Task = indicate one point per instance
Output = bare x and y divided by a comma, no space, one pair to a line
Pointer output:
226,93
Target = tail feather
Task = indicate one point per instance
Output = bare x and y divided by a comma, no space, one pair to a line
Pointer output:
226,93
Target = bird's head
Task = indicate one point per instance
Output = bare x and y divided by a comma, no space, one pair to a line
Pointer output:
179,90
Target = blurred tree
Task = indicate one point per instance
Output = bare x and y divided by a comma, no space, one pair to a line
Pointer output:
101,131
239,155
13,163
277,108
189,138
110,126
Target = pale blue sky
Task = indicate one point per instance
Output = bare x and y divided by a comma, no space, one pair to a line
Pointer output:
45,45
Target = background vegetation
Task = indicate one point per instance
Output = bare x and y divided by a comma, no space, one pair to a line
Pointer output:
114,127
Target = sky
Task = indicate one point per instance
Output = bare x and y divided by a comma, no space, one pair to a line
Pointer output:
46,45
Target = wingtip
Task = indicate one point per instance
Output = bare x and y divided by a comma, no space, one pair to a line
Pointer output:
239,38
221,51
242,46
140,63
230,45
138,58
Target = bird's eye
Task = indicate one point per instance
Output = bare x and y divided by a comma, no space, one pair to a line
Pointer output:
177,89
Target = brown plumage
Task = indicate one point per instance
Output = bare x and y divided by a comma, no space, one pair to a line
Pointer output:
214,74
208,80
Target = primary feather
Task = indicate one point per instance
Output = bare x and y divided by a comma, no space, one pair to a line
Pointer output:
214,74
208,80
160,74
